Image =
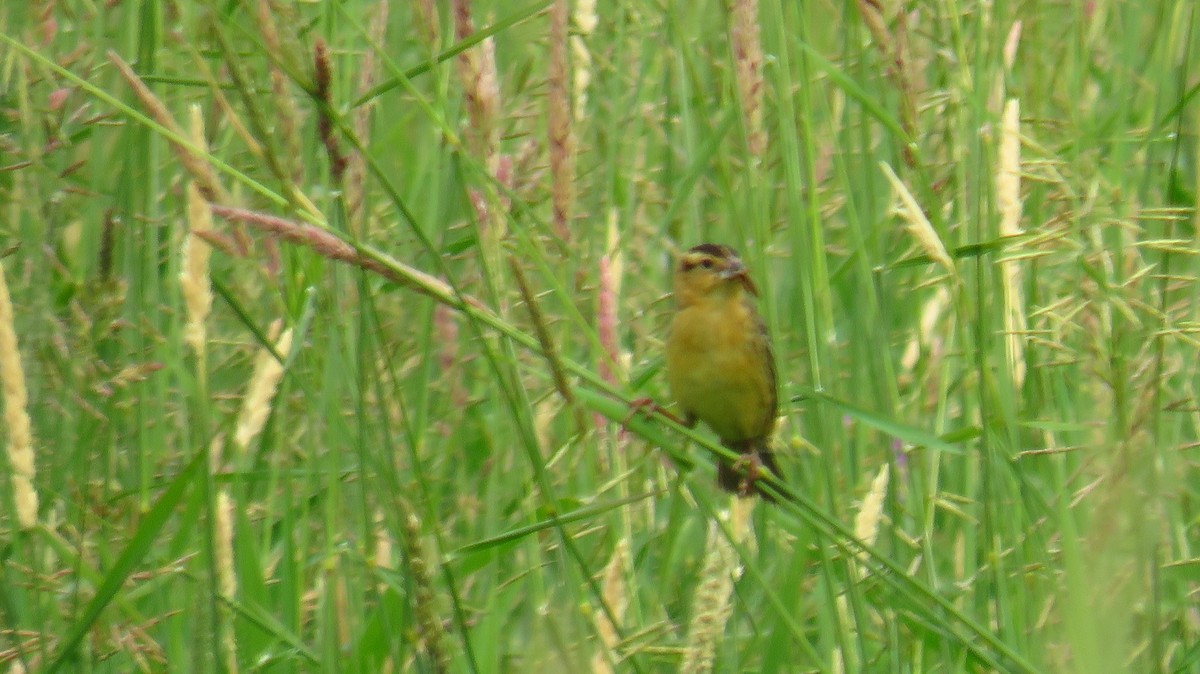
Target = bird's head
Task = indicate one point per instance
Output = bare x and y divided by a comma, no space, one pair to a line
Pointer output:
710,271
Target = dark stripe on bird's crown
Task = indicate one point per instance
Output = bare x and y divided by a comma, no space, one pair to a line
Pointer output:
716,250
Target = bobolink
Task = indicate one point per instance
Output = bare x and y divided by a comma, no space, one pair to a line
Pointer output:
719,362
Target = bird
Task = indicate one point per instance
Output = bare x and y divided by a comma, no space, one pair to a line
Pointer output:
719,363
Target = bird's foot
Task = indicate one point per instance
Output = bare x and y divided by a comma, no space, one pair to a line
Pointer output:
750,467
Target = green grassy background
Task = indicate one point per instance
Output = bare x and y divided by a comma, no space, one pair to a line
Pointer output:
422,499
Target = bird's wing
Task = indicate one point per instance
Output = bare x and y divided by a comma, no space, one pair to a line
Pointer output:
768,355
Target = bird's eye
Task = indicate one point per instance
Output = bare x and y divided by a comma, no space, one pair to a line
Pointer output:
706,263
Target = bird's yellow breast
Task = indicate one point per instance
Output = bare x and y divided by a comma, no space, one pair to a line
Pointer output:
719,369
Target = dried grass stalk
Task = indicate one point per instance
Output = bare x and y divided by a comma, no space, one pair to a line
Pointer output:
710,606
585,22
286,115
383,556
608,303
927,335
481,89
323,80
1010,45
256,406
430,24
1008,204
870,513
616,597
195,164
16,415
226,578
477,69
193,278
223,551
429,623
226,107
330,246
562,142
356,169
917,224
748,61
893,48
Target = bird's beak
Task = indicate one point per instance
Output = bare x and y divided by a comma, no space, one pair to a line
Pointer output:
737,270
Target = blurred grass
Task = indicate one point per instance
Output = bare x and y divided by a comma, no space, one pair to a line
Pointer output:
422,499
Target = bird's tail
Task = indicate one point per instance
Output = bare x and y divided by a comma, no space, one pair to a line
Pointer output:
742,478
